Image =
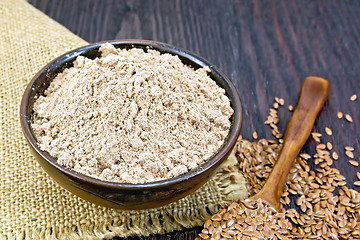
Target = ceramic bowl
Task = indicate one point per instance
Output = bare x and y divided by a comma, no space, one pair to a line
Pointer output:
121,195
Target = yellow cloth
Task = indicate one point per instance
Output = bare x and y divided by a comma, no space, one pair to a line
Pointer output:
32,205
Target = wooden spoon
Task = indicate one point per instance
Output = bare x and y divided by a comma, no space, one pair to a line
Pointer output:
313,95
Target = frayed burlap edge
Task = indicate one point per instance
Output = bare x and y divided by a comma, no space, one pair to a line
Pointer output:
146,222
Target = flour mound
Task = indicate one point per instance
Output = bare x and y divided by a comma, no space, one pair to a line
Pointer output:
132,116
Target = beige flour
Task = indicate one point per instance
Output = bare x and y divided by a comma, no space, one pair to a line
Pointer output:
132,116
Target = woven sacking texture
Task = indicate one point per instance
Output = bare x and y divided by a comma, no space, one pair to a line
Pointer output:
32,205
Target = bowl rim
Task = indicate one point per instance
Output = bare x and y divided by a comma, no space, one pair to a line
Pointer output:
163,47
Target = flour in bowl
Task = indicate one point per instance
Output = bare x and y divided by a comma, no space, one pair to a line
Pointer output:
132,116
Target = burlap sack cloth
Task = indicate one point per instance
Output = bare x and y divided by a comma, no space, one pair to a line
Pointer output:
32,205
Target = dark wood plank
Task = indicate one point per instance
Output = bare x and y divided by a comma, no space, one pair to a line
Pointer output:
266,48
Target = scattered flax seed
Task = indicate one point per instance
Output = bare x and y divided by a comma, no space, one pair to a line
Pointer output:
329,145
247,219
348,148
353,97
354,163
281,101
327,208
305,156
349,154
339,115
320,146
290,108
348,118
322,213
275,105
254,135
316,136
229,168
328,131
232,168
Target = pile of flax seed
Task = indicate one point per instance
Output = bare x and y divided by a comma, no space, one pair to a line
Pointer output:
322,206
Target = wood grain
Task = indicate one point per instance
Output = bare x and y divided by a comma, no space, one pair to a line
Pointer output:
266,48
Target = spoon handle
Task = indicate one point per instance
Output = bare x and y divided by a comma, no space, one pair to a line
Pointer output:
313,95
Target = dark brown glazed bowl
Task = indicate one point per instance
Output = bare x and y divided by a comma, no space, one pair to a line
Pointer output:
120,195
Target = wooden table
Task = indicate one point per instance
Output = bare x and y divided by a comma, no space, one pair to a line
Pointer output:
266,48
